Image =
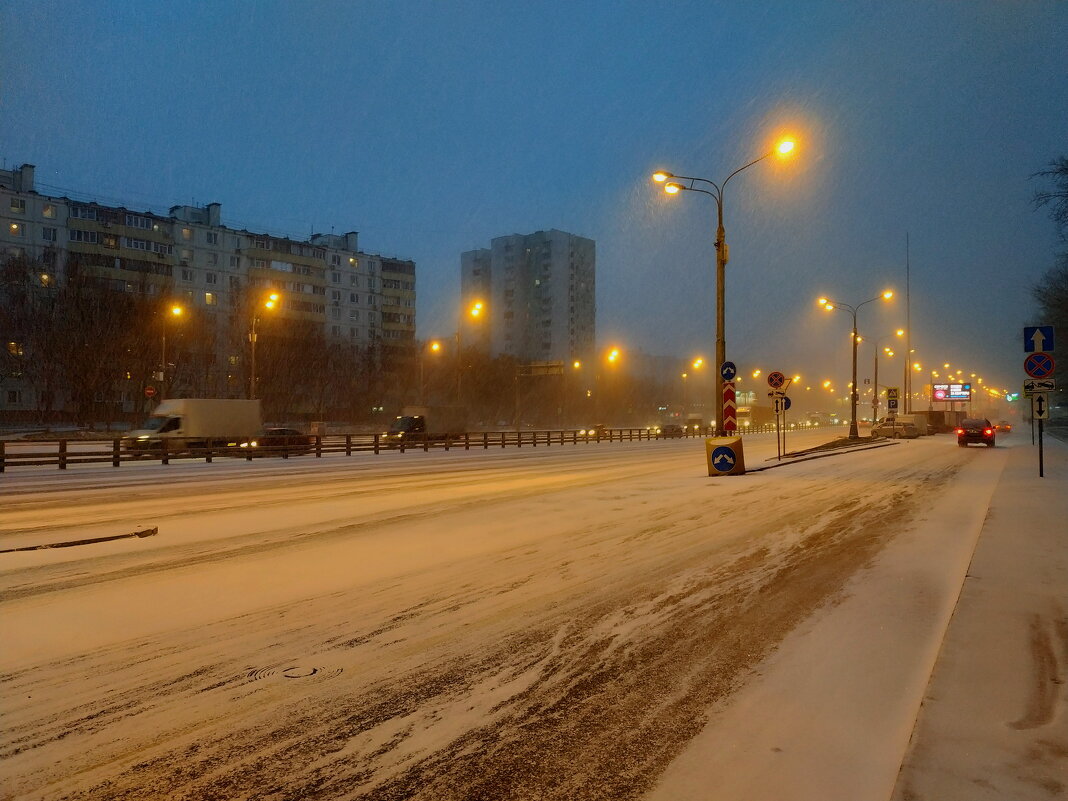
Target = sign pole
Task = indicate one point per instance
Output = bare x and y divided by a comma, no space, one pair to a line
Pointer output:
1040,466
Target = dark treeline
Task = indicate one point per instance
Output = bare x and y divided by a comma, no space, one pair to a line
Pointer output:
85,353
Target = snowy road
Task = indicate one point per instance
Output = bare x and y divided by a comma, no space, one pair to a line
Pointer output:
551,623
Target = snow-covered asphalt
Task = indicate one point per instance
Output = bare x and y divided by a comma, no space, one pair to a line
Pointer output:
577,622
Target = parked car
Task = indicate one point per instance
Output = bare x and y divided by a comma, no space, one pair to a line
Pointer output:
895,429
1004,426
975,429
670,430
283,442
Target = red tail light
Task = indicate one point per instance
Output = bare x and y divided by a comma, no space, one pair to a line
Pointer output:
960,431
988,431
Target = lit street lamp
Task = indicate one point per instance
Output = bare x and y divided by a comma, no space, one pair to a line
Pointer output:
475,313
433,347
270,302
831,305
176,311
875,379
673,187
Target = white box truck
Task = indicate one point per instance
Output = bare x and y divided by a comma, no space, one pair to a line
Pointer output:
185,423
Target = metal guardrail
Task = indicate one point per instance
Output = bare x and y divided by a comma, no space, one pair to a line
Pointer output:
64,453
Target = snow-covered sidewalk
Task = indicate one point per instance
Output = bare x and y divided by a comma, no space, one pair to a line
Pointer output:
994,722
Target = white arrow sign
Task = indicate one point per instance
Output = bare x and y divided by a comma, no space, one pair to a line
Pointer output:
1040,405
1039,339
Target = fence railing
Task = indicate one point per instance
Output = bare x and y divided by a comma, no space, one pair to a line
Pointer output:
64,453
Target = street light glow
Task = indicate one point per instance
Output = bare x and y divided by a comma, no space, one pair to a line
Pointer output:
888,294
672,189
785,147
660,176
176,311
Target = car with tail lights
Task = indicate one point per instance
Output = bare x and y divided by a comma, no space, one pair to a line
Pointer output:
977,430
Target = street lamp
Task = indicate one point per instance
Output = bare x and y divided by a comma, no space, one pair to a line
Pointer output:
433,347
175,311
474,312
270,302
875,379
672,186
830,305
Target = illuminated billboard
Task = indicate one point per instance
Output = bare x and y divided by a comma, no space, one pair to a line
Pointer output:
953,392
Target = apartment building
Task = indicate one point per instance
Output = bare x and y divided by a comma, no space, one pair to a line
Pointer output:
189,256
539,295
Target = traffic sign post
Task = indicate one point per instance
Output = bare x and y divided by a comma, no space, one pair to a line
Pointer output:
1040,365
892,396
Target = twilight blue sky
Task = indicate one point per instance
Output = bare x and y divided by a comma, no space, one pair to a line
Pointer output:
431,127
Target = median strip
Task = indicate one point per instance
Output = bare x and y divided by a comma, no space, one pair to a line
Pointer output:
148,532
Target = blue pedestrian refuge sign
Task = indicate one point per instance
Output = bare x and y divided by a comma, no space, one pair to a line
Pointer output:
728,371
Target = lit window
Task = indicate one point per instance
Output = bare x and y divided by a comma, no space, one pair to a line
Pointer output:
187,233
49,211
16,229
210,299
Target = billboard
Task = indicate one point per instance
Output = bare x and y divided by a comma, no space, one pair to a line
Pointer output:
952,392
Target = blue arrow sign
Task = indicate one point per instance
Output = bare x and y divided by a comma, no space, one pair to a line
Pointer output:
728,371
723,459
1038,338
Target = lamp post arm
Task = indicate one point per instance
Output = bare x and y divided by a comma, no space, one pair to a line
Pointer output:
745,167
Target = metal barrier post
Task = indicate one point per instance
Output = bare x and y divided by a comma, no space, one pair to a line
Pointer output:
348,444
163,457
318,446
1,456
114,454
208,453
63,454
467,441
485,440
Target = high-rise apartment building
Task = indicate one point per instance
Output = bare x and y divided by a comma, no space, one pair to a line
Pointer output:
189,256
539,297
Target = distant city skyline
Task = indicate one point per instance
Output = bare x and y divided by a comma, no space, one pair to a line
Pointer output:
411,124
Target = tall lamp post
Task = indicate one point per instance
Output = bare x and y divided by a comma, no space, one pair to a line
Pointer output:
830,305
673,186
270,302
433,347
475,312
175,311
875,379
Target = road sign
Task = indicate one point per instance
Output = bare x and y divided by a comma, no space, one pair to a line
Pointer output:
785,403
1040,406
723,459
730,407
1039,365
777,393
728,371
1038,338
776,379
150,392
893,393
1033,385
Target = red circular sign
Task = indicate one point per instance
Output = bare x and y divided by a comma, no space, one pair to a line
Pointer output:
150,392
776,380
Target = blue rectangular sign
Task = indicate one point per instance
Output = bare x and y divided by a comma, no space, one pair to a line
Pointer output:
1038,338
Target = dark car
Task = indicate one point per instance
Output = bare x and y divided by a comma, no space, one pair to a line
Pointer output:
284,442
670,430
978,430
